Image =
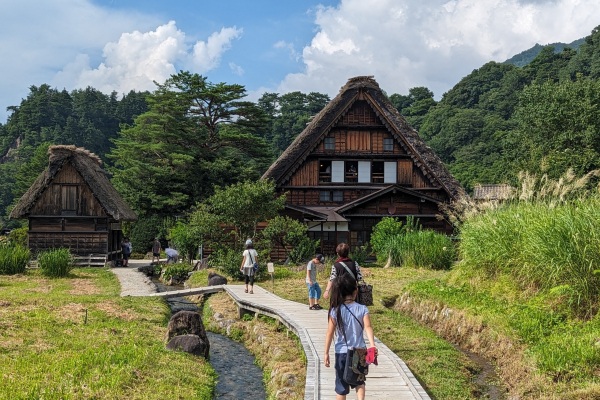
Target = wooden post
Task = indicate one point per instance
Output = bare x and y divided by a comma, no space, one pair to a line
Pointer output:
271,269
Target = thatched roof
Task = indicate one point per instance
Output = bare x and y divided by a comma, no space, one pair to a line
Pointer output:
89,166
493,192
422,155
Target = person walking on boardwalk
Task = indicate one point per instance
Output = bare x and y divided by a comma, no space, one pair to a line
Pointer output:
341,266
347,320
314,290
247,266
156,250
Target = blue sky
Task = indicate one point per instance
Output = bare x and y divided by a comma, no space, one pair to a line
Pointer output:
271,45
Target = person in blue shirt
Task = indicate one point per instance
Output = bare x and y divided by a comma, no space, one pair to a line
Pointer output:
347,321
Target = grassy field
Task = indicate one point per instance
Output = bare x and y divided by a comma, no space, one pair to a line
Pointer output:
76,338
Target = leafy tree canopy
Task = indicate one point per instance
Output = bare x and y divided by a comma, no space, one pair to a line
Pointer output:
196,135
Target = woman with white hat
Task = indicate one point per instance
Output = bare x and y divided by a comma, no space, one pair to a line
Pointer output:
247,266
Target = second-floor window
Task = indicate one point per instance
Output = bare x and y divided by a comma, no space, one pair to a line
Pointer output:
388,144
329,143
336,196
351,174
325,171
377,172
69,199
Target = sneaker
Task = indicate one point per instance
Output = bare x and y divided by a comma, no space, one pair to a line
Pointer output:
312,308
318,307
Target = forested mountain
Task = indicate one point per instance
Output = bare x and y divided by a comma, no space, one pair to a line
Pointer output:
167,149
502,119
525,57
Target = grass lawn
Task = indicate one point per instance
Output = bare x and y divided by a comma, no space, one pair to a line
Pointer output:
76,338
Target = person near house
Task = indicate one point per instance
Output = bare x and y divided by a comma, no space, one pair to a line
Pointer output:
126,249
156,250
250,256
337,269
347,320
172,255
314,290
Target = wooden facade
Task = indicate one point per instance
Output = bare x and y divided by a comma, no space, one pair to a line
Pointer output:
357,162
73,205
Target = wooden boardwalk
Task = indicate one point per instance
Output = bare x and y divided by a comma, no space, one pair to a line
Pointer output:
391,379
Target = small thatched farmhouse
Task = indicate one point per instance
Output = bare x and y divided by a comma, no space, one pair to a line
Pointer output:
72,204
356,162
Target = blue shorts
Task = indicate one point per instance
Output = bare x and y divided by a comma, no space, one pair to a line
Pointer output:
341,387
314,290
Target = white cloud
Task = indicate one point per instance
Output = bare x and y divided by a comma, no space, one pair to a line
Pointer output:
138,59
73,44
431,43
207,55
36,37
236,69
133,62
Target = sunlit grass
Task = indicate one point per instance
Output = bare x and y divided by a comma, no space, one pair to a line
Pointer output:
75,338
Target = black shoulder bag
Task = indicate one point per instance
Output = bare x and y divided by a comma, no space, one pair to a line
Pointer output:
365,291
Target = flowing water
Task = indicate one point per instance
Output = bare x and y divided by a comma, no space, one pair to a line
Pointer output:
238,376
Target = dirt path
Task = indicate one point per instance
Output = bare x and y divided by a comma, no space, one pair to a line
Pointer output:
133,282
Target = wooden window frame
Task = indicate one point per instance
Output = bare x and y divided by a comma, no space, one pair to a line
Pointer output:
377,174
351,171
329,143
388,144
69,199
325,171
325,196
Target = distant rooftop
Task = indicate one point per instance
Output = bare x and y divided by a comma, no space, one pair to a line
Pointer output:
493,192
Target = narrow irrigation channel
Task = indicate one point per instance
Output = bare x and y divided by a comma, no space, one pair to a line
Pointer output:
486,380
238,375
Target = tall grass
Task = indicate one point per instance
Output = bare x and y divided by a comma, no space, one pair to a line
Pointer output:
546,248
13,259
56,262
421,249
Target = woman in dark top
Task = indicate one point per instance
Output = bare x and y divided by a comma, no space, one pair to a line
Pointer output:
338,268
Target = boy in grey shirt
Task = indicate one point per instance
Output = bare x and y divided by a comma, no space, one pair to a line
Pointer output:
314,290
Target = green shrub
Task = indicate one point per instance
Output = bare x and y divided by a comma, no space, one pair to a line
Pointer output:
13,259
227,261
386,231
18,236
289,234
175,271
383,232
304,250
186,239
55,263
360,254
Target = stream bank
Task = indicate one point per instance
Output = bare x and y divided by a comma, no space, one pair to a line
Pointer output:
238,375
